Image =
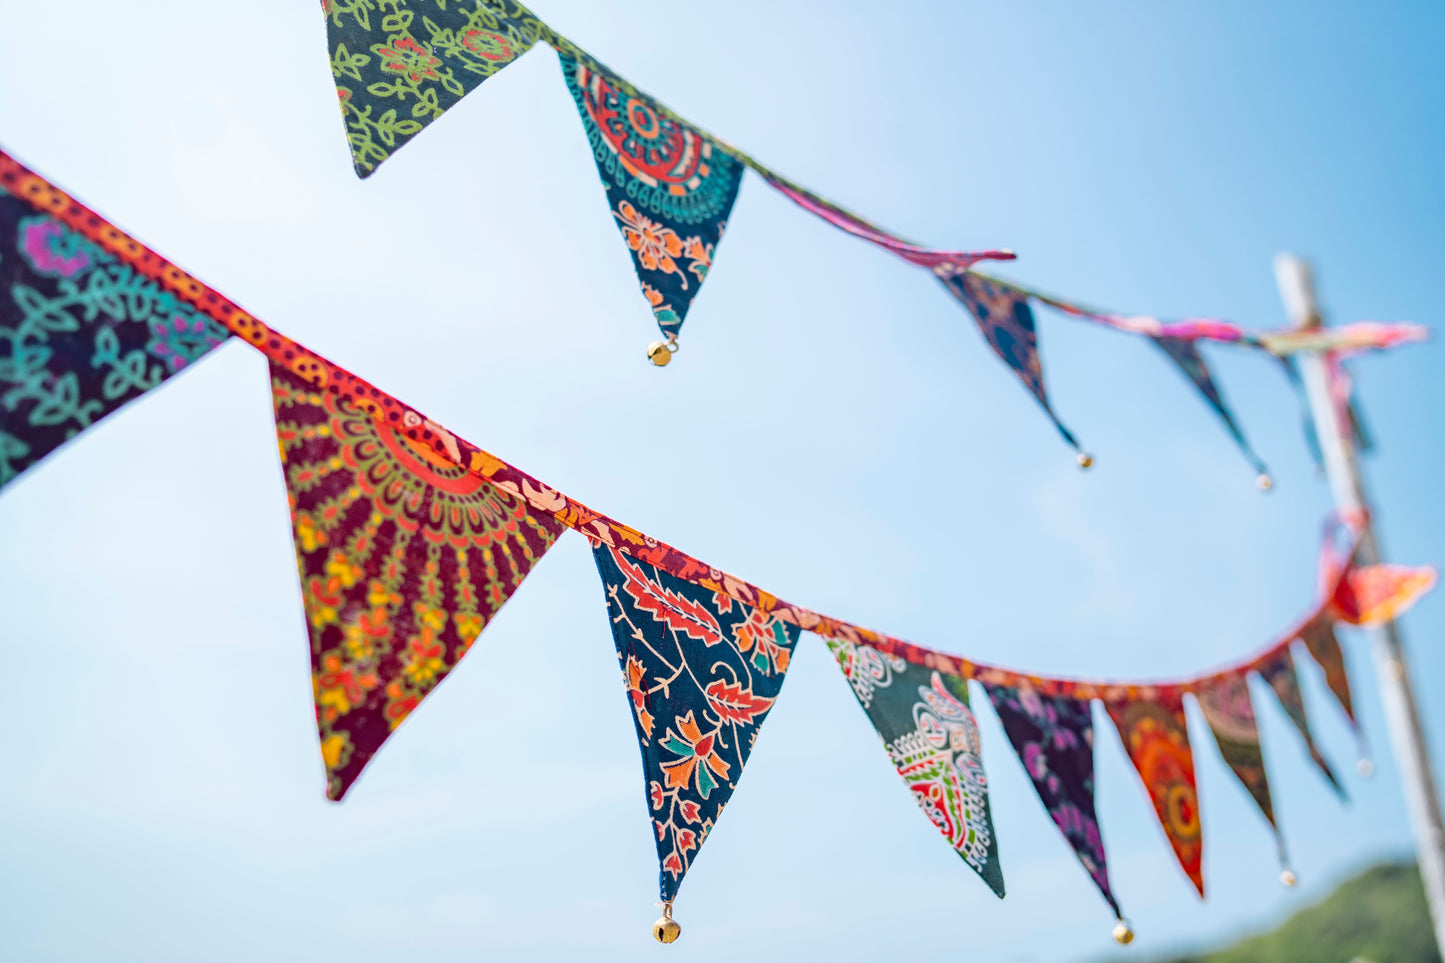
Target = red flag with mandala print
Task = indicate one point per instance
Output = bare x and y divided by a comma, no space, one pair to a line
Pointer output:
399,64
82,332
1224,700
1279,671
404,556
1007,323
702,671
929,731
670,187
1156,736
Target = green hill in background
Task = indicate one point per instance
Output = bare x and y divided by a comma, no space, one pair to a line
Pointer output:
1378,917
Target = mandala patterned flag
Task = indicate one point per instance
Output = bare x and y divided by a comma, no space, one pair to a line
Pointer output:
1007,323
1184,352
1229,711
1318,636
1054,738
1279,671
1156,737
404,559
81,331
670,187
930,733
399,64
702,671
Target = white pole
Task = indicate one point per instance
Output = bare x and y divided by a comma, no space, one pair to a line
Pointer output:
1407,736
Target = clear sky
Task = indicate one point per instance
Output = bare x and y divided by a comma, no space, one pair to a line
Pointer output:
833,429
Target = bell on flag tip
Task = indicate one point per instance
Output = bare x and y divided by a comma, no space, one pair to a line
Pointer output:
661,352
1123,933
1085,460
1365,767
1264,482
1287,876
666,930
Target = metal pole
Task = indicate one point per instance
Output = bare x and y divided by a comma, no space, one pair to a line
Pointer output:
1407,736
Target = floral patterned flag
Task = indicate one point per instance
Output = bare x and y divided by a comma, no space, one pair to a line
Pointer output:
1156,737
1054,738
1007,323
930,733
1318,636
1229,711
1184,352
702,671
670,187
399,64
404,558
81,331
1279,671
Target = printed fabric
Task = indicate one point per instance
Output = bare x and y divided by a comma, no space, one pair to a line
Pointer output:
400,64
670,187
81,334
404,558
1279,671
930,733
1229,711
1184,352
1375,594
1156,737
1007,323
1054,739
702,672
1318,636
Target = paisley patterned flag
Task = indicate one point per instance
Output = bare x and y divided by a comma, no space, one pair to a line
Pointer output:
1156,737
399,64
1054,738
1184,352
702,671
930,733
1318,636
81,331
1279,671
404,559
1007,323
1229,711
670,187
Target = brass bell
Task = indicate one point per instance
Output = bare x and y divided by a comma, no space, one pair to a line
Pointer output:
1086,460
1264,482
1287,877
1123,935
666,930
660,353
1365,768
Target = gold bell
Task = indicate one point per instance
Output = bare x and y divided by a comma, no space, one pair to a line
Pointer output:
1123,935
1264,482
660,353
1287,877
1086,460
666,930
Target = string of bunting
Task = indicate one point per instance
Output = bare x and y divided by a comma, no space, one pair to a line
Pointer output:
398,65
409,540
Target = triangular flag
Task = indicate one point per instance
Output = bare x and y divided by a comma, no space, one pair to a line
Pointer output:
1156,737
1279,671
1007,323
82,331
670,187
1185,353
399,64
930,733
1054,738
1373,594
702,671
1318,636
404,558
1229,711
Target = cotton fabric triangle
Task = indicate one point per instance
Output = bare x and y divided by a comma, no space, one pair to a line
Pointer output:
1054,739
1318,636
670,187
1227,707
1185,353
1156,737
702,671
1279,671
404,558
930,733
400,64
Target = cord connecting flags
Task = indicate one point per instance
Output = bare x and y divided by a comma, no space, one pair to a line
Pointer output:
409,540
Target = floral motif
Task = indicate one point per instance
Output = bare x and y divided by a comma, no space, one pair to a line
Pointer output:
704,671
404,556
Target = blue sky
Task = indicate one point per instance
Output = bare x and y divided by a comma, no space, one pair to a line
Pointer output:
834,429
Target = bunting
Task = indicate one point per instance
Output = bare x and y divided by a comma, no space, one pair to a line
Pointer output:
1278,670
404,556
1375,594
1228,709
702,671
81,332
1185,353
1054,739
1318,636
930,734
1156,736
670,187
